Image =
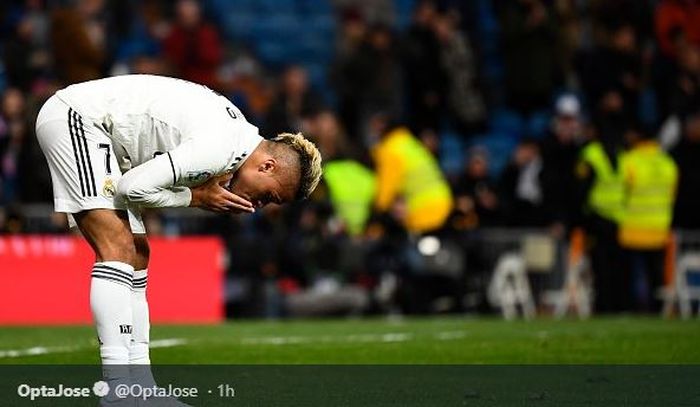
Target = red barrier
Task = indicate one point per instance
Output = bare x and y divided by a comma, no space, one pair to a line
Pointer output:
46,280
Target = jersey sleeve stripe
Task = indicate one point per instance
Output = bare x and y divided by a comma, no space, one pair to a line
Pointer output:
172,167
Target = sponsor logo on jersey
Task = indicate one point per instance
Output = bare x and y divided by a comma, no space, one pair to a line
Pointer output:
125,329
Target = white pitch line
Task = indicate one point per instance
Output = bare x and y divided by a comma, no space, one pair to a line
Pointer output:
46,350
355,338
450,335
36,350
167,343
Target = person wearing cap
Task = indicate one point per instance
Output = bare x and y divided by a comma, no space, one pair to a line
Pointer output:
559,154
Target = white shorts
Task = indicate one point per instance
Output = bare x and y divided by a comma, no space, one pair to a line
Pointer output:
84,169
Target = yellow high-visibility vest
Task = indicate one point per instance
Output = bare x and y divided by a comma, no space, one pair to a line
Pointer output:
351,187
405,168
650,176
607,192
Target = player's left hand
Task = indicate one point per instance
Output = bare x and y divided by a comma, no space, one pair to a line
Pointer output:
214,196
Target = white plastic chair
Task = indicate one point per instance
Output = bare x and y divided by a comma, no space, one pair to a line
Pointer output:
509,288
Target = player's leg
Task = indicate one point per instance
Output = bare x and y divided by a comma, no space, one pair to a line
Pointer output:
108,233
84,173
139,356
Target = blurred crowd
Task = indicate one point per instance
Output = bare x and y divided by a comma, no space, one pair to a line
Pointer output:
439,118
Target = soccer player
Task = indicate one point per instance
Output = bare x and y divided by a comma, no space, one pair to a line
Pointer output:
119,144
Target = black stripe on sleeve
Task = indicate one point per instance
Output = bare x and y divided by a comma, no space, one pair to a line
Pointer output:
75,151
172,167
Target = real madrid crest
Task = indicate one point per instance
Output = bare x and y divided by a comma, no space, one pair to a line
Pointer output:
109,189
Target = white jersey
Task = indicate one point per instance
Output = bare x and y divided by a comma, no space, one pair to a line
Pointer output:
148,115
164,135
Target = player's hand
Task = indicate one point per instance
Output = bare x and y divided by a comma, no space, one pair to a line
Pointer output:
213,196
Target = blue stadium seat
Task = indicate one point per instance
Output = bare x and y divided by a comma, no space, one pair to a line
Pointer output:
451,153
239,26
506,121
538,124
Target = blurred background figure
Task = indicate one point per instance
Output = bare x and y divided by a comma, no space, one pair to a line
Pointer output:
530,49
560,149
521,187
685,154
408,172
293,101
601,195
650,179
79,41
193,47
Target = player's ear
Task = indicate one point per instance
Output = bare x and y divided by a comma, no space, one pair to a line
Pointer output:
268,166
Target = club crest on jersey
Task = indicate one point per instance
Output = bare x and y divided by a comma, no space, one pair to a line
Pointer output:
108,189
125,329
198,176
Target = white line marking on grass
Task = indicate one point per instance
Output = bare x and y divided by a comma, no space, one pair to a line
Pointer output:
356,338
450,335
36,350
167,343
46,350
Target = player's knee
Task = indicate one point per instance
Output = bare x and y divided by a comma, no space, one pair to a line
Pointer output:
119,248
143,252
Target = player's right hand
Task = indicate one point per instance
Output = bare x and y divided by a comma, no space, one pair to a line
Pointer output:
213,196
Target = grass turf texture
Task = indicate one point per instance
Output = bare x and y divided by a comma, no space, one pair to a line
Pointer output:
444,340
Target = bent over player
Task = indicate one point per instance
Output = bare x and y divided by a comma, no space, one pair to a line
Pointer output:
119,144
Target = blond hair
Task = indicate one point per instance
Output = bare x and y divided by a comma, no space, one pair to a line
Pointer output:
310,170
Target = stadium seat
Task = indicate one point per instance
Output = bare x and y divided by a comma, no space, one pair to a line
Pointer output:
507,122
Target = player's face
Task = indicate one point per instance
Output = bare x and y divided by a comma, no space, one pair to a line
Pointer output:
262,185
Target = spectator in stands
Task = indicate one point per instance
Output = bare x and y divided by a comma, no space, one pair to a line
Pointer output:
26,58
347,72
613,69
674,18
79,41
687,156
464,100
407,171
559,156
521,187
294,101
425,79
650,178
530,54
476,196
382,91
193,47
13,130
684,92
350,184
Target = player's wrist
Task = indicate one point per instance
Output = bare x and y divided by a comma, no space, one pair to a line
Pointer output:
195,198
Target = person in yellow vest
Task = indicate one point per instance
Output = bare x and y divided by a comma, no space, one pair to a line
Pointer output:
349,184
407,170
650,178
602,194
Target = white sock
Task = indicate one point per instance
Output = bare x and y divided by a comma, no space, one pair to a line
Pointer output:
138,351
110,301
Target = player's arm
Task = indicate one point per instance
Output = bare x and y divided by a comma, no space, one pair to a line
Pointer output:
154,184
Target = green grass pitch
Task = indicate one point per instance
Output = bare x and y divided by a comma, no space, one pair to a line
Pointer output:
437,340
